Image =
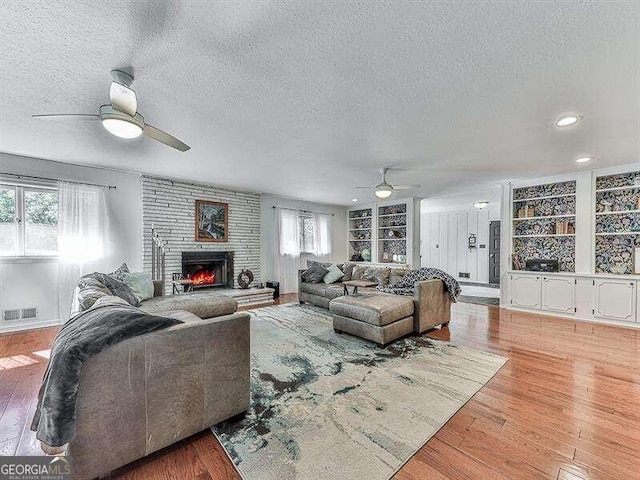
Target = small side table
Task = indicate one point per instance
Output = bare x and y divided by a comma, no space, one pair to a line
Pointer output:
181,285
355,284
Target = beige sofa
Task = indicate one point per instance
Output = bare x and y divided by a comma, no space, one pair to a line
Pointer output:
432,305
148,392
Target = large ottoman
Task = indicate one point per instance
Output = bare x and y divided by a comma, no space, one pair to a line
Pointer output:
381,318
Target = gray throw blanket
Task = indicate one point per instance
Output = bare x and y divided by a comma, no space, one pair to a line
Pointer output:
82,337
406,286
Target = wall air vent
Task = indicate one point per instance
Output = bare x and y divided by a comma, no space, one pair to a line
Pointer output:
29,313
15,314
464,275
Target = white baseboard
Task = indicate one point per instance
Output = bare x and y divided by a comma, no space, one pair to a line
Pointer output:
602,321
21,326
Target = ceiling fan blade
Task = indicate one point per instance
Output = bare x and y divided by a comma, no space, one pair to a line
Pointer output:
406,187
123,98
159,135
79,116
368,188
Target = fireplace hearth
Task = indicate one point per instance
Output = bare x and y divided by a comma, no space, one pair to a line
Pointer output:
208,269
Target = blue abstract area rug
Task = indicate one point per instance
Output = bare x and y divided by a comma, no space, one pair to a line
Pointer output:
329,406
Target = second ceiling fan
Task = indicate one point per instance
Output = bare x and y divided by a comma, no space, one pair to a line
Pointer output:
384,189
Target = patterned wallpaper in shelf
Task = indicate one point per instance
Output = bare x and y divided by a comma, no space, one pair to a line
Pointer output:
544,190
619,180
614,253
622,223
547,207
544,226
618,200
562,248
393,247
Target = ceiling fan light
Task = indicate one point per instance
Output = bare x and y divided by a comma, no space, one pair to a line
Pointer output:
383,190
121,128
481,205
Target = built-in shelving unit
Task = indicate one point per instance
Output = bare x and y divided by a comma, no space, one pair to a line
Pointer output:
617,222
392,233
544,223
360,229
388,231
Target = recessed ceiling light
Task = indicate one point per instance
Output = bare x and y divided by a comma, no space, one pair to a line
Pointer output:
583,159
354,199
567,121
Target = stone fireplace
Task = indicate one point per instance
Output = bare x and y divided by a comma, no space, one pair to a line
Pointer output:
208,269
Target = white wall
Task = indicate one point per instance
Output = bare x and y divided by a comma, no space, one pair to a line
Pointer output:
338,229
444,241
34,283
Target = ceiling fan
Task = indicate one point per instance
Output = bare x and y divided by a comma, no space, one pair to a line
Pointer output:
121,117
384,189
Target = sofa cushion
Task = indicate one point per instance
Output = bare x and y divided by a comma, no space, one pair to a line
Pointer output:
397,274
334,291
140,283
347,268
377,274
374,309
314,274
203,305
333,275
358,271
319,289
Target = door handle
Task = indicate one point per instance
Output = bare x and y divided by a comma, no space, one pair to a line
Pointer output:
491,255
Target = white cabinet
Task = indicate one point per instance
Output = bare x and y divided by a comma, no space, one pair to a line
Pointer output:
525,291
559,294
614,299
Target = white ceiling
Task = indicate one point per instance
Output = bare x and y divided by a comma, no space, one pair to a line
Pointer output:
308,99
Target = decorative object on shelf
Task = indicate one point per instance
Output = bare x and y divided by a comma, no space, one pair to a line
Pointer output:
515,261
211,221
636,179
531,211
522,212
357,257
245,277
366,254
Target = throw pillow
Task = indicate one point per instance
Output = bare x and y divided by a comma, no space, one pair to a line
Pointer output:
347,268
140,283
90,289
119,272
333,275
314,274
118,288
311,263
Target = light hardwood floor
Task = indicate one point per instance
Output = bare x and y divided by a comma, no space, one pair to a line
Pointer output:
566,406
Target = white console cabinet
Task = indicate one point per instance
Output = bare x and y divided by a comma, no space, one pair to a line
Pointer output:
525,291
559,294
615,299
588,297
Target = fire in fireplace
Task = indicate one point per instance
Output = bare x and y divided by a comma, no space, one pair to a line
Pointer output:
202,277
208,269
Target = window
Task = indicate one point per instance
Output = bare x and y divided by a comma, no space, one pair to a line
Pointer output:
306,226
28,221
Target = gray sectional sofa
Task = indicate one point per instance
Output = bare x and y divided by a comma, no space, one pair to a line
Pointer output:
150,391
432,304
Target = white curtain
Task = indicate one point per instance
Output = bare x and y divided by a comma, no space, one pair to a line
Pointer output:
286,257
83,225
288,232
322,236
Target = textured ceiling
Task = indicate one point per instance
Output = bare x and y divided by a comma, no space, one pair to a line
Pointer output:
309,99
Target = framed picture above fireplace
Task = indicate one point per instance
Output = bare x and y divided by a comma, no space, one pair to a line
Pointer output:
212,221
